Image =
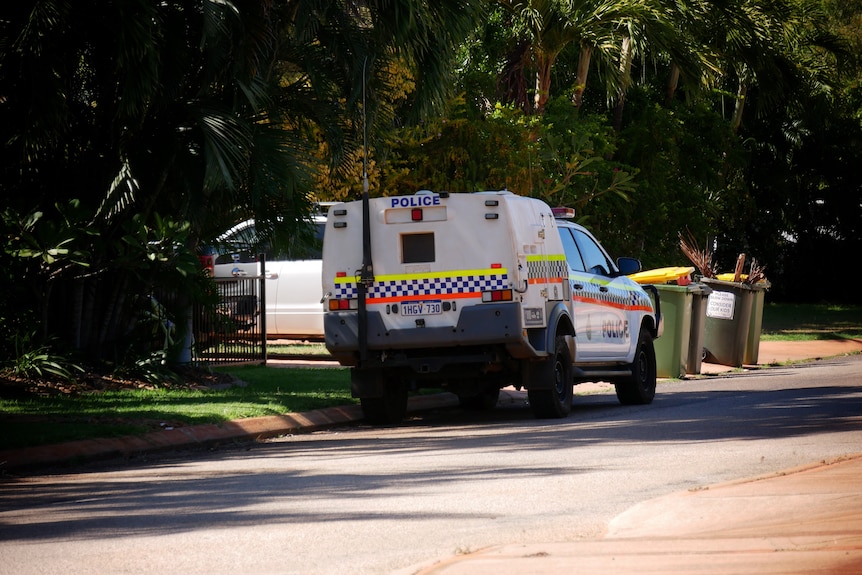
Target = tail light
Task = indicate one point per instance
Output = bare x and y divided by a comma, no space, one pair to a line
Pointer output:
208,263
497,295
343,304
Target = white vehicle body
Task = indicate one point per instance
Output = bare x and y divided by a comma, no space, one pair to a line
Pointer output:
293,292
473,292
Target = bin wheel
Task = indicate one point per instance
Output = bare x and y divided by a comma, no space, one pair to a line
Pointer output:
639,389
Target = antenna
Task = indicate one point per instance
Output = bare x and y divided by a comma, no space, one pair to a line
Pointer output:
364,134
366,273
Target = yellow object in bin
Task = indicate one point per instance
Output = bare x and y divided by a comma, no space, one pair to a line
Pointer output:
662,275
728,277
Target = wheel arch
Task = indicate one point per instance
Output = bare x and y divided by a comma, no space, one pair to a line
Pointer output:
560,324
534,373
654,323
648,323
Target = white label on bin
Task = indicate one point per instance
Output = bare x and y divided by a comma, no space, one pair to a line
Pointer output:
720,304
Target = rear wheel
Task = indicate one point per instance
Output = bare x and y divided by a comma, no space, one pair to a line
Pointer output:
389,404
639,389
556,401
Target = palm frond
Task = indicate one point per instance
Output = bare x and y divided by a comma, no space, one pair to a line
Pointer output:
121,194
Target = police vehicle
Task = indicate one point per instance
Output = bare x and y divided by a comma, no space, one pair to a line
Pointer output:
473,292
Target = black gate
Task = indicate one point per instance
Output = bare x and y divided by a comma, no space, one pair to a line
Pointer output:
235,331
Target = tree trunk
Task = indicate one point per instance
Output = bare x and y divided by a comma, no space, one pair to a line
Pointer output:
583,69
544,63
740,105
77,311
625,80
672,83
90,296
113,313
512,82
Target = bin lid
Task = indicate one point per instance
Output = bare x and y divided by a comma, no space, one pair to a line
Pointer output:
694,288
724,285
661,275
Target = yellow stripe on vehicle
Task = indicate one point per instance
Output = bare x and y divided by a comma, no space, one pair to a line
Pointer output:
407,287
427,275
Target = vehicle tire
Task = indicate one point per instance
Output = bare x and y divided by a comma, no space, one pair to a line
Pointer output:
639,389
556,402
390,408
484,401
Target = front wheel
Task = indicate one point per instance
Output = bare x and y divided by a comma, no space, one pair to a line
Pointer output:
556,401
639,389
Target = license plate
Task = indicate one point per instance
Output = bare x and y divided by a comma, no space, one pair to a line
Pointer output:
422,308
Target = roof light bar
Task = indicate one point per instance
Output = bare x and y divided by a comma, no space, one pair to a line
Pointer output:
563,213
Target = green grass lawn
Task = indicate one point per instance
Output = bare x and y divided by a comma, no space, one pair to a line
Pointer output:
315,349
33,418
809,321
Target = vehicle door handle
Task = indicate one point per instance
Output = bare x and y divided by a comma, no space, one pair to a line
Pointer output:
577,286
603,289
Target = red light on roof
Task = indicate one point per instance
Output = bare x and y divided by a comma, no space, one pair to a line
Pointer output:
563,212
416,214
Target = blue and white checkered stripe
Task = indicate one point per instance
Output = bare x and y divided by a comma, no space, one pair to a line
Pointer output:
616,296
441,286
549,268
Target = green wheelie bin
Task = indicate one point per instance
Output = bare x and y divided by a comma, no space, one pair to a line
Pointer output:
679,350
752,343
728,318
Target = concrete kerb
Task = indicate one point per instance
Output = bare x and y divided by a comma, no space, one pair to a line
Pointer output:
801,520
249,429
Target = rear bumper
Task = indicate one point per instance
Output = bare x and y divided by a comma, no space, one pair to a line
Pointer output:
479,327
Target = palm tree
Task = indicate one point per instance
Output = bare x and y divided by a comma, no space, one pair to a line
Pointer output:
653,33
763,43
609,30
151,114
552,25
335,53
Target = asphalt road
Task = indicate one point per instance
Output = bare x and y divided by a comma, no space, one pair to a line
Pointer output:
381,500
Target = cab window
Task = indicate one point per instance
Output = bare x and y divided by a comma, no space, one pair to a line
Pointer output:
595,260
573,255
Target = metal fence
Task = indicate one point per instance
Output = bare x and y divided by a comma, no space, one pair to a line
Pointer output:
235,331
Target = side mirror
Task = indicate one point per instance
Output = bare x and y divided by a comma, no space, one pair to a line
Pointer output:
628,266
